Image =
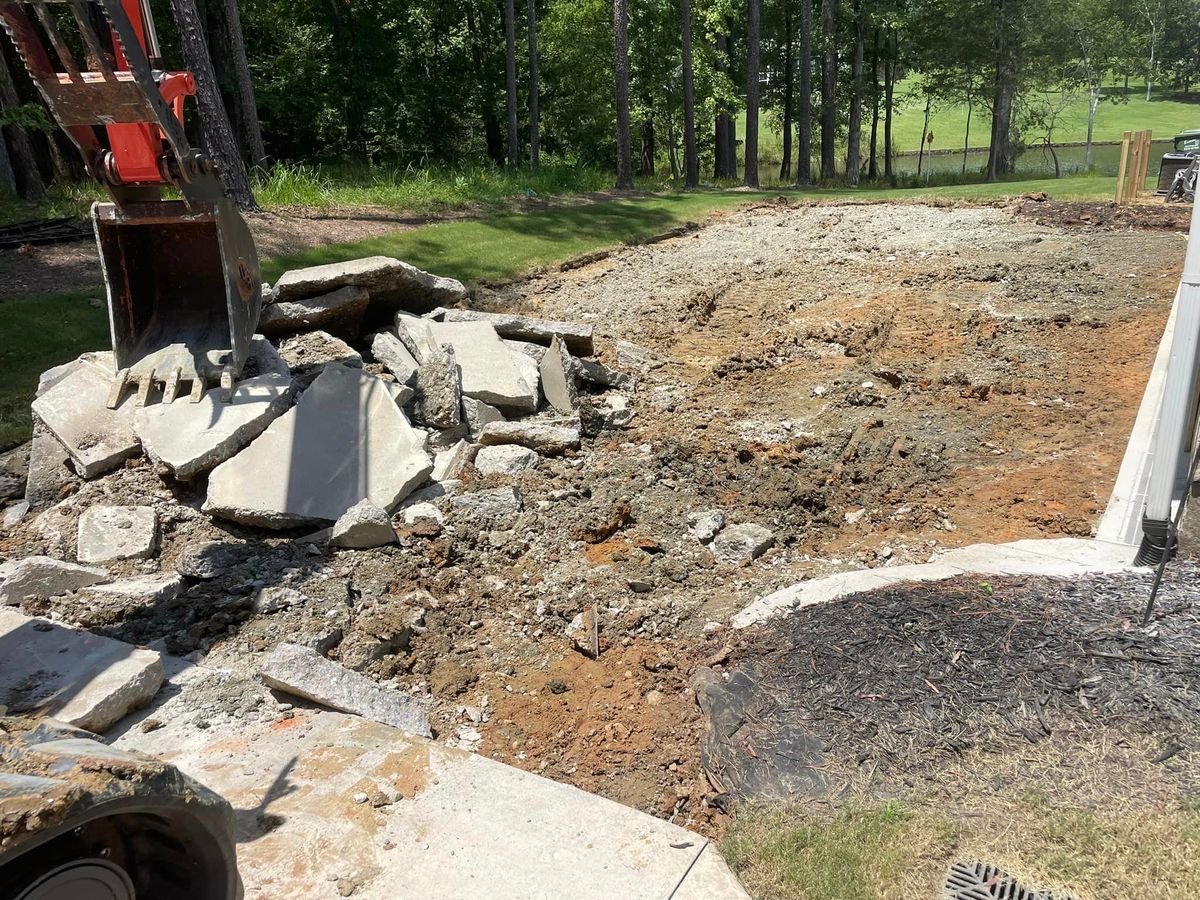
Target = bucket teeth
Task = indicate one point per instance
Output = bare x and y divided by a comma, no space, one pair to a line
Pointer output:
171,388
145,386
227,384
197,389
118,388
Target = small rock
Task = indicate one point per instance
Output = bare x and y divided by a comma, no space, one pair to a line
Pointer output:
110,533
557,686
210,559
640,587
271,600
854,516
419,511
450,463
493,503
362,527
704,526
742,544
15,513
505,460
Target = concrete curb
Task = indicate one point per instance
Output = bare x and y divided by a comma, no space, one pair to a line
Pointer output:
1054,557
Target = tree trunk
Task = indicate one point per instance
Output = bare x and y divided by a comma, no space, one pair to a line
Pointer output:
721,148
752,60
672,148
1150,68
234,46
691,159
493,139
535,137
889,91
345,40
510,82
924,132
804,113
214,120
785,167
829,90
873,159
1092,106
854,129
648,150
999,149
731,120
967,137
19,158
621,76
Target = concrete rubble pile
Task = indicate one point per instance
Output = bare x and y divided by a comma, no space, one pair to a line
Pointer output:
373,404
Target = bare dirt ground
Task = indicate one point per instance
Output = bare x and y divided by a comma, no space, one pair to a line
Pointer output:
870,382
64,267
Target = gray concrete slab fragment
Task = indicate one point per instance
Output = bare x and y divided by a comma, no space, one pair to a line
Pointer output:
547,437
387,279
465,827
742,544
449,463
339,312
508,459
345,440
476,414
524,328
77,677
361,527
143,590
110,533
307,354
43,576
395,357
488,369
49,477
558,378
305,673
75,410
438,400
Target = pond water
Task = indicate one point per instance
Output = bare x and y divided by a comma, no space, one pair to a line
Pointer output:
1035,162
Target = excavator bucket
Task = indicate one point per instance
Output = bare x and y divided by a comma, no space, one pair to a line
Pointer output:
184,293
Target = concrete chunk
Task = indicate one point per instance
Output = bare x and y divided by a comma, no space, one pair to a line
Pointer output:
363,526
489,370
98,439
144,590
306,673
449,463
42,577
345,440
110,533
339,312
79,678
49,477
438,401
307,354
742,544
389,280
558,378
190,438
490,504
476,414
546,437
505,460
395,357
413,334
523,328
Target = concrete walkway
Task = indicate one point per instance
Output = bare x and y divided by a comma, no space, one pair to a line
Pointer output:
331,805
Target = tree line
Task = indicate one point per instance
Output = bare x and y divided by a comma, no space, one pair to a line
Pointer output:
640,86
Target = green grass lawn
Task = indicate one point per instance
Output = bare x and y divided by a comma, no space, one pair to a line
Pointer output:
39,331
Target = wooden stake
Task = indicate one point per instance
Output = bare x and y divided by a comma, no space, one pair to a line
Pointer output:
1123,166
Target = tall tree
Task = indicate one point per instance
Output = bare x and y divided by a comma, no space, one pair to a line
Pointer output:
753,25
722,148
789,78
873,157
493,140
1000,155
534,90
854,131
804,113
19,157
889,90
232,53
621,76
214,120
510,82
829,67
691,160
1153,11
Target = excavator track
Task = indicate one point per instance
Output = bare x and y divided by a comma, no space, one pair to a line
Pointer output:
81,820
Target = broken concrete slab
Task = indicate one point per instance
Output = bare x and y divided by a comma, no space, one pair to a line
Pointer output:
111,533
438,401
307,354
508,459
75,410
476,414
211,559
191,438
388,280
450,463
608,413
548,437
490,504
533,351
49,478
489,371
363,526
601,375
144,590
558,378
79,678
527,366
14,513
395,357
742,544
43,576
344,441
14,469
339,312
303,672
523,328
413,334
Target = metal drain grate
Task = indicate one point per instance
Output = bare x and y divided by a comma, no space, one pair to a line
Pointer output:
980,881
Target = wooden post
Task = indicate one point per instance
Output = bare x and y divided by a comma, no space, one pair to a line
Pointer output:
1145,170
1123,166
